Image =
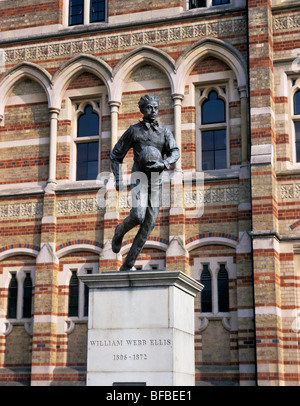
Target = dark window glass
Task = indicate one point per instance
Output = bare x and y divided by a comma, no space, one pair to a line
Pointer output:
87,153
88,123
73,294
206,296
86,297
12,297
76,12
297,136
197,3
87,161
223,289
214,150
27,296
97,10
297,103
218,2
213,110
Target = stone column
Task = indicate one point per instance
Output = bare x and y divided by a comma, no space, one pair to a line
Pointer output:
114,112
177,100
176,255
244,123
53,141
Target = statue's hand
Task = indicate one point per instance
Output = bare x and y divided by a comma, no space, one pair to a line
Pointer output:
156,167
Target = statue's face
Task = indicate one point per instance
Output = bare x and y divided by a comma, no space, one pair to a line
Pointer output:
150,111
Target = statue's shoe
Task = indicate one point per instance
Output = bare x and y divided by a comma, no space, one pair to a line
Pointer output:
125,268
116,243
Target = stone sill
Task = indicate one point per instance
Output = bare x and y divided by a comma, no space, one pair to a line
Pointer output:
287,5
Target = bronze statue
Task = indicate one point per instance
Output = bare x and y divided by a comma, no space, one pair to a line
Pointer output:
150,142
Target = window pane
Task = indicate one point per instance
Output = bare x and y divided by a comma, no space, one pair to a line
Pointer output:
297,130
93,151
297,103
73,294
207,140
206,296
81,171
76,12
220,160
27,296
214,150
82,152
223,289
12,298
88,123
208,160
87,161
197,3
92,170
213,109
297,137
218,2
220,139
298,151
97,10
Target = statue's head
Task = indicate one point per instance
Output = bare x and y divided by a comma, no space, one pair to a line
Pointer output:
149,106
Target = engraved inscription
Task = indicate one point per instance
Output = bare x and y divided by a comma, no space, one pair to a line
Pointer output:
125,345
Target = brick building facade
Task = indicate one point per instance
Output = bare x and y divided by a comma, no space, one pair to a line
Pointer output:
227,74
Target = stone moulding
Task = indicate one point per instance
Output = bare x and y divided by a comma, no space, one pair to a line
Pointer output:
290,191
143,279
127,40
88,205
20,210
286,22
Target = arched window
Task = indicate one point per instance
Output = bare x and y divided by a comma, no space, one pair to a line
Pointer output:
27,296
206,294
87,141
297,124
73,295
223,290
20,294
213,109
213,132
12,297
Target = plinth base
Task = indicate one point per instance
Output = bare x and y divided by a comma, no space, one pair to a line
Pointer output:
141,328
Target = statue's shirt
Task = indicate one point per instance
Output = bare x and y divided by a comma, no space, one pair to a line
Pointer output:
141,135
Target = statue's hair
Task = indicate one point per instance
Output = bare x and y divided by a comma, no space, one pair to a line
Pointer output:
146,100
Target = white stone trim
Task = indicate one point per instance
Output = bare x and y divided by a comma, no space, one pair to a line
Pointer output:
78,247
211,240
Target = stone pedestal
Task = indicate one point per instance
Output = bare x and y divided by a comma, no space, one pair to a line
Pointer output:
141,328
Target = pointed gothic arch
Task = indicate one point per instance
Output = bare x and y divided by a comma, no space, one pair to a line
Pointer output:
72,69
18,72
210,47
130,62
